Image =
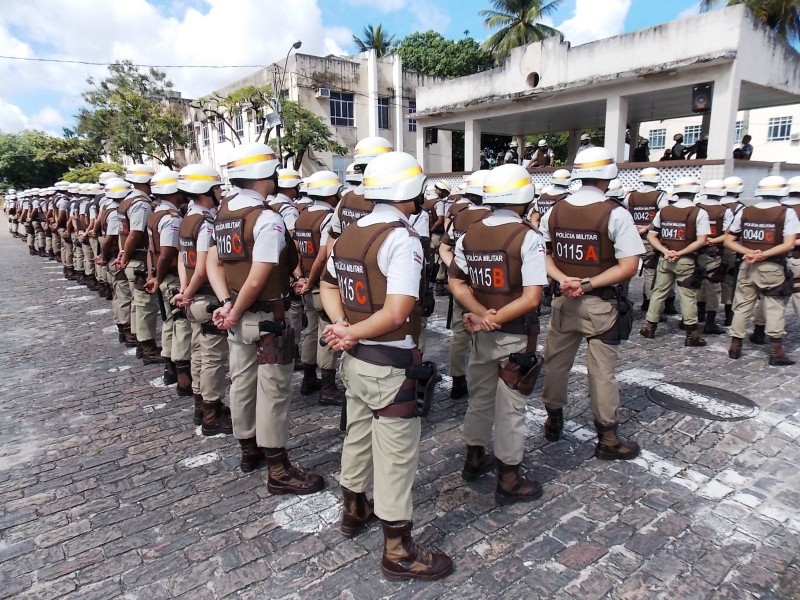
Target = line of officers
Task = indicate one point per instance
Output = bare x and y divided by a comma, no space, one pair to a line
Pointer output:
236,263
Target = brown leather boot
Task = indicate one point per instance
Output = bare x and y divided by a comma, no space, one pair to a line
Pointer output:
252,455
477,463
151,354
330,394
514,487
357,512
735,350
121,332
459,389
198,409
649,330
693,338
130,339
170,374
310,382
214,422
711,327
403,559
285,478
554,424
777,357
759,335
612,447
183,370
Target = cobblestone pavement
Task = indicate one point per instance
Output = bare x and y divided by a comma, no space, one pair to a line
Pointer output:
108,491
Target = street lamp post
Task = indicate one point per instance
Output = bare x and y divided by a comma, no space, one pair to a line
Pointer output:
277,87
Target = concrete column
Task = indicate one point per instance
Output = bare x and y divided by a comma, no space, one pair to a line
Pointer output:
372,92
572,145
472,144
705,124
616,122
724,109
520,147
422,149
399,121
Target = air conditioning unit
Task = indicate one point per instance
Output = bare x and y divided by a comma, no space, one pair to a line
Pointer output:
323,93
795,137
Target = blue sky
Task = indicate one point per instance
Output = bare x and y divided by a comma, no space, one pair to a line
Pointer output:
235,32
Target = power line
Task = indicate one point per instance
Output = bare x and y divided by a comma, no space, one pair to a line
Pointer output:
107,64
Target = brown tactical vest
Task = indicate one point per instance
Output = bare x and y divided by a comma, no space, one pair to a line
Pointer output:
362,286
456,207
153,223
716,218
579,241
125,225
762,228
678,227
461,222
430,207
309,236
190,229
233,231
494,262
643,206
351,208
547,201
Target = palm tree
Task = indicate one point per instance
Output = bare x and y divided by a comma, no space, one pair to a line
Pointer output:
374,38
781,16
519,22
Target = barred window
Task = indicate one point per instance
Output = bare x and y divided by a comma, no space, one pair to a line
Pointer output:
342,109
779,129
658,139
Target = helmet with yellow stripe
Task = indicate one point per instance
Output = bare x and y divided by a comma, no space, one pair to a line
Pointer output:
164,183
369,148
352,176
105,176
794,185
475,182
198,179
773,186
323,184
139,173
714,188
733,185
686,185
94,189
595,163
561,178
394,177
117,188
508,184
288,178
62,186
252,161
615,189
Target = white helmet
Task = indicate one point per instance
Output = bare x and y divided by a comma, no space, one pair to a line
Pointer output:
353,176
163,183
139,173
252,161
794,185
714,188
94,189
595,163
443,185
198,179
323,184
773,186
615,189
84,188
513,144
62,186
585,137
475,182
12,191
35,191
369,148
508,184
430,192
561,178
650,175
74,188
288,178
686,185
733,185
105,176
542,143
117,188
393,177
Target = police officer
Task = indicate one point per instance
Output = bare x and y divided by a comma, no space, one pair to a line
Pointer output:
498,277
558,190
75,230
793,259
543,157
311,236
679,231
10,208
643,205
441,190
35,233
249,268
134,212
615,190
734,186
763,234
203,186
585,142
464,213
593,247
370,292
352,178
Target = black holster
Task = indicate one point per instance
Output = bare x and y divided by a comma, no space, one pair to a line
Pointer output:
695,280
210,329
428,303
624,325
415,395
139,279
784,290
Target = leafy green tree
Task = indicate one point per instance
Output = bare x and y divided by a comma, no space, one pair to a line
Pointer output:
781,16
91,173
518,23
36,159
303,130
374,38
225,108
133,113
431,53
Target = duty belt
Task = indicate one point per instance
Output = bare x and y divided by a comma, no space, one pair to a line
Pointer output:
518,326
606,293
384,356
277,307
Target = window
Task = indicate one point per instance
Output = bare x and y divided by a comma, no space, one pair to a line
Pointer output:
340,164
220,131
192,135
691,133
779,129
412,109
206,135
341,104
738,132
383,113
238,124
658,139
260,122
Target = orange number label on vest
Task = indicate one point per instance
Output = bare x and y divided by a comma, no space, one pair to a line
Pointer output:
644,215
577,247
353,285
189,253
759,232
305,243
229,234
488,271
673,230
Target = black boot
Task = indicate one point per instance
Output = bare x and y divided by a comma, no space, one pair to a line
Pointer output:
310,382
645,304
693,338
170,374
477,463
183,371
198,409
150,352
329,393
711,327
701,312
121,330
728,315
669,307
649,330
459,389
759,335
252,455
554,424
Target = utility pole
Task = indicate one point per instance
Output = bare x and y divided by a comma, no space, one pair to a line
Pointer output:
277,89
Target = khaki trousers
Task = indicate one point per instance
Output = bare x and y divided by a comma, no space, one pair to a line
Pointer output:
48,243
176,333
66,248
727,286
570,322
491,402
460,342
382,451
753,281
88,256
709,292
441,270
56,237
77,253
260,395
667,275
209,353
794,267
311,352
39,233
144,307
31,237
121,300
295,318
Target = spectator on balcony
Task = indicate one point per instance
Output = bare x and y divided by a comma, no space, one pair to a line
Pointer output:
746,151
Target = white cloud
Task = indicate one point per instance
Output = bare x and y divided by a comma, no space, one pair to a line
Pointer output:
693,10
12,120
594,20
429,16
384,6
48,119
